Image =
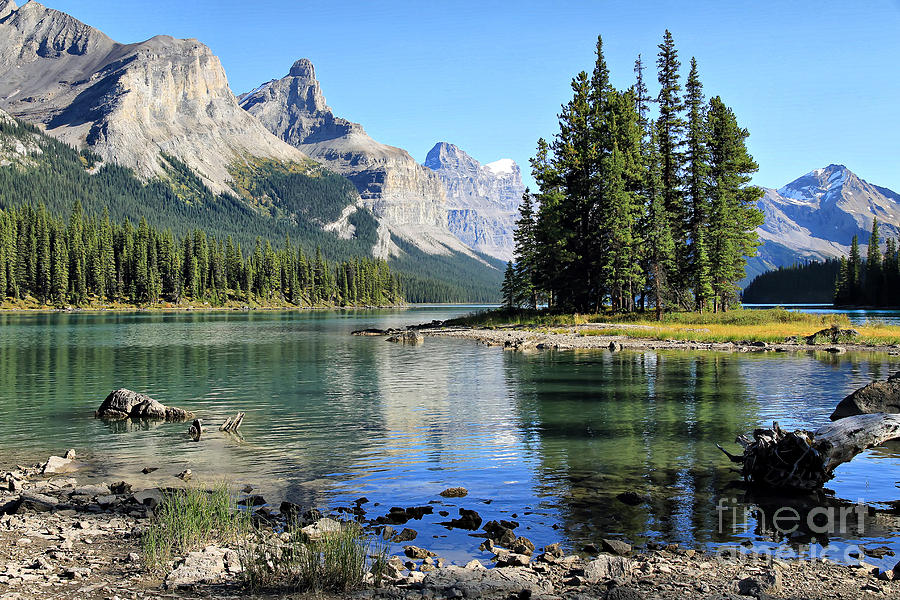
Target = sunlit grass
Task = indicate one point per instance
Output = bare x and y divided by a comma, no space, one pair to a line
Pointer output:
772,326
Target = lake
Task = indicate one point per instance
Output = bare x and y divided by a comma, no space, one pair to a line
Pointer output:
549,439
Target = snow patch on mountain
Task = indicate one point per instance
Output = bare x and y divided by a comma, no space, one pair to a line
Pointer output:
502,166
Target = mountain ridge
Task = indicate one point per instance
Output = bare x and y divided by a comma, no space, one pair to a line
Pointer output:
128,102
408,198
483,200
816,216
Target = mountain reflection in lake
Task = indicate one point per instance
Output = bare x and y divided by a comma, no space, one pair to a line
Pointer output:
550,437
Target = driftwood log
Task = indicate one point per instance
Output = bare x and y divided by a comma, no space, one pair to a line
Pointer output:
804,460
232,424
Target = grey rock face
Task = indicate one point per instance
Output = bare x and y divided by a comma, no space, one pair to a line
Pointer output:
408,198
123,403
817,215
483,200
127,102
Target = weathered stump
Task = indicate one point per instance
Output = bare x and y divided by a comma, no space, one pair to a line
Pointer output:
196,430
232,424
803,460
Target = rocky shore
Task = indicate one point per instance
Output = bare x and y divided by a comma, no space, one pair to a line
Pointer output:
62,539
574,337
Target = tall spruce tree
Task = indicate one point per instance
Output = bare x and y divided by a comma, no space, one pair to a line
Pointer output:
670,126
734,216
854,273
525,251
874,283
696,156
660,242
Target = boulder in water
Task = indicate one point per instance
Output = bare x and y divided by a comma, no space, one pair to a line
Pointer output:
123,404
878,397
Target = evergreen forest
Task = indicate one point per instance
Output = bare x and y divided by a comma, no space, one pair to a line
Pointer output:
85,258
808,283
642,202
275,202
873,281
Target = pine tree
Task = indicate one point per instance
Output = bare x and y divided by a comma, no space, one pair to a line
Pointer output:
59,259
734,216
670,130
77,256
854,271
842,284
660,242
44,273
525,250
697,169
509,287
891,295
874,282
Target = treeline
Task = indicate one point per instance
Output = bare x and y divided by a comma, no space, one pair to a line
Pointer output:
807,283
874,281
633,212
278,202
83,258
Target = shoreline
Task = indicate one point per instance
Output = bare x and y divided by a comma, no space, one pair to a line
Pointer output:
60,538
572,337
186,309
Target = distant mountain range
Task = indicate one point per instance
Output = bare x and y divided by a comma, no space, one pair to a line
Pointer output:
816,216
163,108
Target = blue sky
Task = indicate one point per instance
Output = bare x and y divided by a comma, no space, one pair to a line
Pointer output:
814,82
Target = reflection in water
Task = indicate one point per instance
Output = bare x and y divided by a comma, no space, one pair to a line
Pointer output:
550,437
636,422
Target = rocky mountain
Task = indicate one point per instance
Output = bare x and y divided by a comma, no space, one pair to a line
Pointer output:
817,215
128,102
406,197
482,200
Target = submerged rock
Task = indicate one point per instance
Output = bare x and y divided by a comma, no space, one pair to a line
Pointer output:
60,464
124,403
878,397
410,336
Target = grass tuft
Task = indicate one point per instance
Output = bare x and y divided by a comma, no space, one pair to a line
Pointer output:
189,519
336,562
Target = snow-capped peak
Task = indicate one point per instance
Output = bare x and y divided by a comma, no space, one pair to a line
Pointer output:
503,166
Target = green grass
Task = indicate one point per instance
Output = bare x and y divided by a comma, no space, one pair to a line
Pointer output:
189,519
337,562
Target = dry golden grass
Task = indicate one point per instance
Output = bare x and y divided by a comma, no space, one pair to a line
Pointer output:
771,333
772,326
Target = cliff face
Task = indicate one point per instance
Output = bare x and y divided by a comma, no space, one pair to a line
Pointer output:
127,102
406,197
482,200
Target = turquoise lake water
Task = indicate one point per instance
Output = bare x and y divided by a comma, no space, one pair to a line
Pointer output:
550,437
